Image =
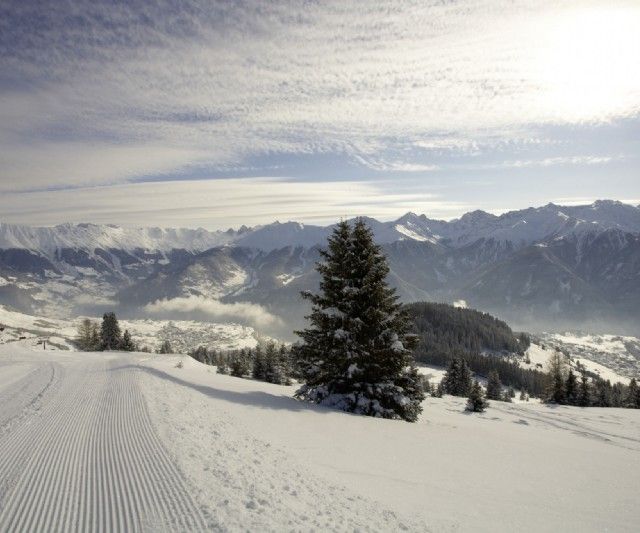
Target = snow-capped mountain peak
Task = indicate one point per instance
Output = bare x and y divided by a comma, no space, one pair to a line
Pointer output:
522,227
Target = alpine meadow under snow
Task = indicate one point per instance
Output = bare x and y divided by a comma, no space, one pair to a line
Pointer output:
327,266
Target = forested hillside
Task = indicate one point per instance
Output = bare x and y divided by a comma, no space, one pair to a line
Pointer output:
485,342
445,329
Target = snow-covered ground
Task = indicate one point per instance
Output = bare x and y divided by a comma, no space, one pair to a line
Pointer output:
137,441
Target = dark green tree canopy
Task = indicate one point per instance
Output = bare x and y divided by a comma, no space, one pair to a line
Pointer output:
110,335
356,354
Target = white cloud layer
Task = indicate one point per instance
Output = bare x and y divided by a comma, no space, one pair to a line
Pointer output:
243,312
134,90
222,203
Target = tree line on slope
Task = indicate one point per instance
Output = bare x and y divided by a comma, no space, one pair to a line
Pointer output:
447,333
266,362
108,336
564,387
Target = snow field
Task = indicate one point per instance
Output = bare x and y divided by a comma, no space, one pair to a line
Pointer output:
286,465
247,482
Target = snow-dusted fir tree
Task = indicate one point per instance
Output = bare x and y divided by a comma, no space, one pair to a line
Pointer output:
476,401
324,345
356,355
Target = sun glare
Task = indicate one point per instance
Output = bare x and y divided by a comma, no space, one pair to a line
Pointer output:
591,63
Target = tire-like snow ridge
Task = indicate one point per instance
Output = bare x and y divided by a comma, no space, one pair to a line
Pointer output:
91,461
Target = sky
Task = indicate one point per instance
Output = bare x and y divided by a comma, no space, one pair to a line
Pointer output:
216,114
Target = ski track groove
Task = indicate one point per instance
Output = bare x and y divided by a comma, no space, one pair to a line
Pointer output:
89,459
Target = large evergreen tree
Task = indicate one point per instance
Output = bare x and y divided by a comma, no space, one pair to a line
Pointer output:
356,355
110,335
324,345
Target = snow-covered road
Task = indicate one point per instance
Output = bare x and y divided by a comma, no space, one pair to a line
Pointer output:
79,452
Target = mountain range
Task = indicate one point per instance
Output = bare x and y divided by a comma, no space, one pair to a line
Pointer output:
548,267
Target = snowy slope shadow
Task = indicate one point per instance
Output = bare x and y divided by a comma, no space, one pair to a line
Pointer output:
259,399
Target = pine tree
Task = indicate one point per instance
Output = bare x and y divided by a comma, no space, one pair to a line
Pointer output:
284,357
557,369
324,345
476,401
602,394
494,386
239,363
457,380
110,336
357,353
221,362
617,395
127,343
272,371
584,393
259,370
84,339
506,397
201,354
632,399
571,388
165,348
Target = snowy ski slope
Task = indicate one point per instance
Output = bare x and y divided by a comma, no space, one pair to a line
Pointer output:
139,442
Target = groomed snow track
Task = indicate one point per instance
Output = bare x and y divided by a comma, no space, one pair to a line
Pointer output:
88,458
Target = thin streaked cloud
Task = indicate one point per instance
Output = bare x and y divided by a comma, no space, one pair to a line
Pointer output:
97,93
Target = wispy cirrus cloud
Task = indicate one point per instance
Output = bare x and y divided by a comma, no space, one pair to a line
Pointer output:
222,203
103,93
